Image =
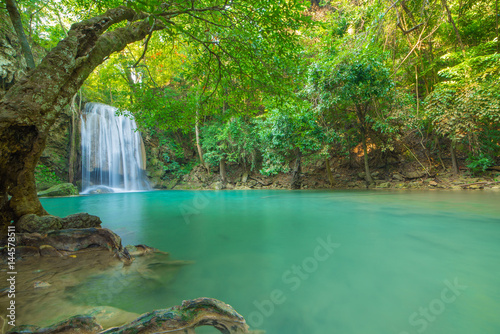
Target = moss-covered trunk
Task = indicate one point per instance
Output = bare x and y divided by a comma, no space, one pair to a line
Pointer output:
329,172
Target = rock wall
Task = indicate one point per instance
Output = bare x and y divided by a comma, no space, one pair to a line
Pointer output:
57,153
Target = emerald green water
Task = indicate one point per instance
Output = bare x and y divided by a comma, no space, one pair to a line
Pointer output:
315,262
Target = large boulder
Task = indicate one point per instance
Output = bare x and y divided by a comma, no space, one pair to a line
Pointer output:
415,174
63,189
44,185
219,185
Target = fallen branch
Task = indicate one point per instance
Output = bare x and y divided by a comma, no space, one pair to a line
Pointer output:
259,181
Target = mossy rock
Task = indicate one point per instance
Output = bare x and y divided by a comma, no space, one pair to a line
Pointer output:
63,189
44,185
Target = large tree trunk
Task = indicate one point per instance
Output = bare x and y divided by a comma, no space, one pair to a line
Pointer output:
454,163
329,172
31,106
223,174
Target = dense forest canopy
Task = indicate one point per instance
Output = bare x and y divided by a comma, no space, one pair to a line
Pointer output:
268,85
380,74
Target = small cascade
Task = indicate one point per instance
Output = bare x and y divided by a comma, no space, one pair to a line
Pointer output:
113,155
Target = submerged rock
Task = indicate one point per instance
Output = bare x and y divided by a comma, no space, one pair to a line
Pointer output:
139,250
63,189
101,190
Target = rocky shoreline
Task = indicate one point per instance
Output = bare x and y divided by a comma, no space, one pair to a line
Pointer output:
198,179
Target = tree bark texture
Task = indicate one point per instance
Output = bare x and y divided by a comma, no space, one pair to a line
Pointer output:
329,172
297,169
454,163
31,106
223,174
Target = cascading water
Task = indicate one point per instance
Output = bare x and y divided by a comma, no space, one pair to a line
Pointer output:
113,156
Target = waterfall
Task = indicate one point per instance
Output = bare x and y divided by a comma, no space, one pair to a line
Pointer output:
113,155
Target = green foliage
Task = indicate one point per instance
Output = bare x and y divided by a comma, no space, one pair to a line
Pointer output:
287,132
479,164
43,174
349,81
364,67
234,140
467,103
165,109
355,94
209,63
177,170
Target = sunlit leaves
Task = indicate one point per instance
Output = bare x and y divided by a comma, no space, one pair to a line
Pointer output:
234,140
466,107
285,132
